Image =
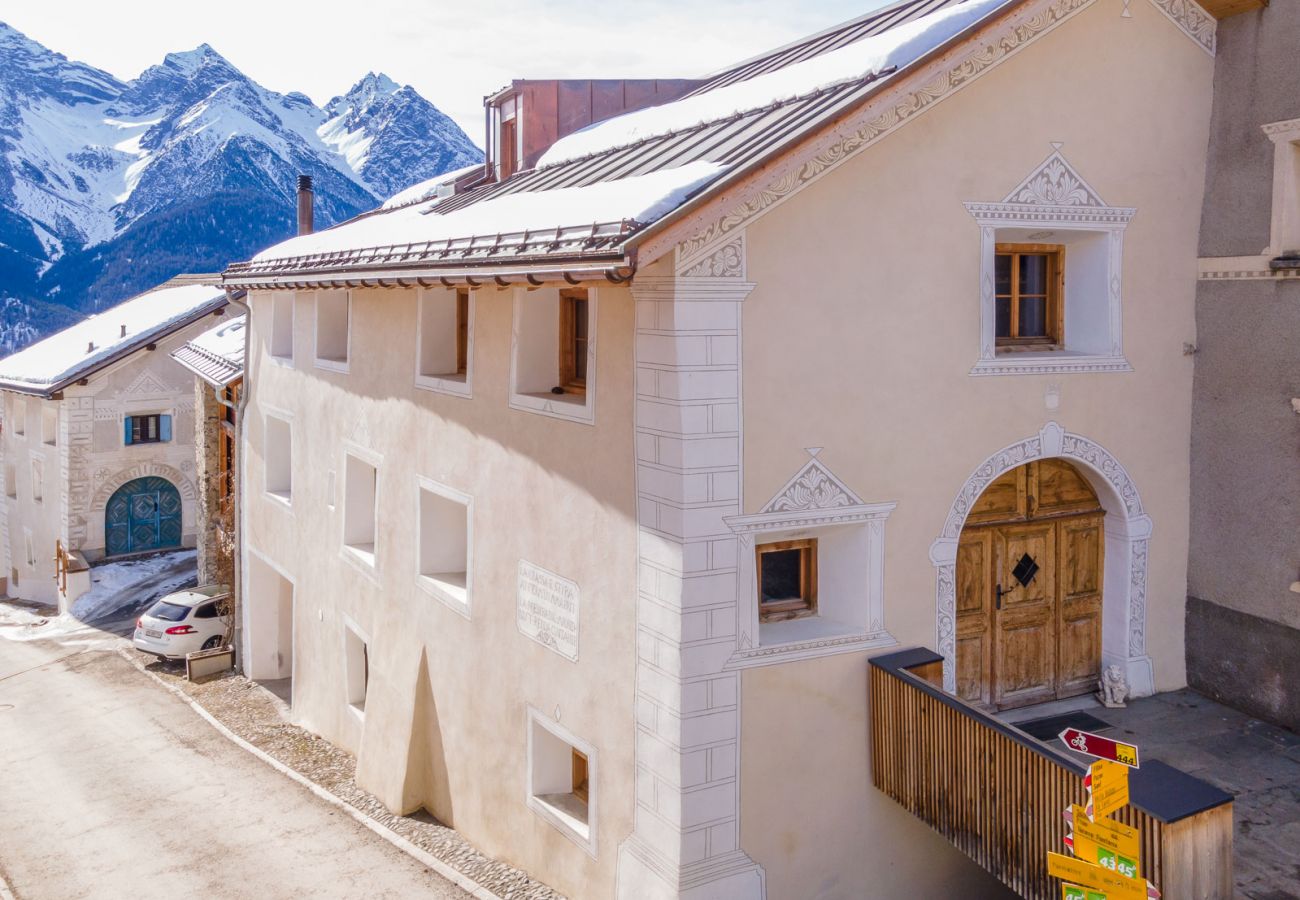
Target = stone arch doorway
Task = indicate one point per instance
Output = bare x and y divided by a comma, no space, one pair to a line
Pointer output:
1127,538
142,515
1029,575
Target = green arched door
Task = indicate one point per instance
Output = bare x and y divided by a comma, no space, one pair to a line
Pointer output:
143,515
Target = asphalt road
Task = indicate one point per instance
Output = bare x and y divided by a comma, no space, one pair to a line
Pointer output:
112,787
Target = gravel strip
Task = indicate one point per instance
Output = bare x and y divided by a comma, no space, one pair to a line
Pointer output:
258,717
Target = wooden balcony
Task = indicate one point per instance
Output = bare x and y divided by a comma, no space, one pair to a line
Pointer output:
999,795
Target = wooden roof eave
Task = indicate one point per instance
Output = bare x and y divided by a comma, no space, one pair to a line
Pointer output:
650,242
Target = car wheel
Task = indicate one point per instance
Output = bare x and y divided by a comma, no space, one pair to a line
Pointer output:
212,643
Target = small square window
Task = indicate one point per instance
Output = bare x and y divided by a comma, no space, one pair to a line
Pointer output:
31,551
553,361
359,508
148,429
49,425
279,458
357,664
562,779
38,480
282,303
11,481
445,341
444,545
787,580
1029,290
19,416
333,315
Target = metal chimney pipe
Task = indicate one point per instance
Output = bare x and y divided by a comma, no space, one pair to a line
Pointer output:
305,223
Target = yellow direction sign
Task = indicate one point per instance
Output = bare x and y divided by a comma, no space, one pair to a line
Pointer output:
1110,844
1084,874
1109,786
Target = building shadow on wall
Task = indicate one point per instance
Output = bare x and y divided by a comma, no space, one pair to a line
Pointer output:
427,783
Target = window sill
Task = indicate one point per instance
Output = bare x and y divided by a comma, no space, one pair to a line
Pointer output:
282,497
807,638
1051,362
448,587
573,407
286,361
358,710
333,365
454,385
362,558
567,813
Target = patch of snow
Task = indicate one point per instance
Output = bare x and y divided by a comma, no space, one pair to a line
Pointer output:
641,197
226,340
131,583
896,47
427,190
353,146
60,355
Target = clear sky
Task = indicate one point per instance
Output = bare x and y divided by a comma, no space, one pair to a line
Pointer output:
451,52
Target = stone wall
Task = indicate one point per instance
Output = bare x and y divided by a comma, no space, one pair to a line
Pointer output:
216,563
1242,619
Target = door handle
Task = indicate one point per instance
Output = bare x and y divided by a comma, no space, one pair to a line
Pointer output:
1001,592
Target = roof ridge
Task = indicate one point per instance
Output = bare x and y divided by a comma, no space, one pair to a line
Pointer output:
731,117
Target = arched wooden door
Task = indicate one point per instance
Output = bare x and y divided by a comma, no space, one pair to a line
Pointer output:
142,515
1029,585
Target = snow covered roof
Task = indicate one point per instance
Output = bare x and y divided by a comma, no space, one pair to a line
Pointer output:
594,191
77,352
217,355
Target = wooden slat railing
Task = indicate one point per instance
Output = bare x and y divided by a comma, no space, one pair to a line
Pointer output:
999,795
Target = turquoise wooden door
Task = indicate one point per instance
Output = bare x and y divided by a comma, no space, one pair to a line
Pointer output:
143,515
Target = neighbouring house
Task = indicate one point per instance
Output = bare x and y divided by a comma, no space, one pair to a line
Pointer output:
216,357
583,501
97,443
1243,605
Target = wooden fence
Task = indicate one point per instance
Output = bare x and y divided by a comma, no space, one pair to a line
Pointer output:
999,795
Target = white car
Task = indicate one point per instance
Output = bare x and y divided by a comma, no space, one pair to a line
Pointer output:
183,622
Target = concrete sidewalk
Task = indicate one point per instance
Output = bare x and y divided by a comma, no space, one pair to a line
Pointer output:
114,788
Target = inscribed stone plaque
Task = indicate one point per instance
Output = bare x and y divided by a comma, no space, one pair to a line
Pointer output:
548,609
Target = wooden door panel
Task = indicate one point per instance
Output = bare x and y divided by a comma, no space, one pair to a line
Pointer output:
1082,548
974,607
1003,499
1024,661
1061,489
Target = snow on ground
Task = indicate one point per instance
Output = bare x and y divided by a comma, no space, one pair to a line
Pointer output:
896,47
59,355
131,584
119,592
641,197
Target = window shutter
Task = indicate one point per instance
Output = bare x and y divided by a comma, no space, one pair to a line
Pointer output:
127,436
165,428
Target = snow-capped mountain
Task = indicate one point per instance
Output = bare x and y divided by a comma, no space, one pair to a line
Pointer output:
108,187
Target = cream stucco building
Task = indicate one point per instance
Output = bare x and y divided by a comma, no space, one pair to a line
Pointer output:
581,535
98,441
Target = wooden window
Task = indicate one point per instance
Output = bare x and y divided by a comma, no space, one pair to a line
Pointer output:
573,341
787,580
150,429
462,332
580,775
1029,293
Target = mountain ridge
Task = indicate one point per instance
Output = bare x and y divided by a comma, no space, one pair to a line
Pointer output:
108,187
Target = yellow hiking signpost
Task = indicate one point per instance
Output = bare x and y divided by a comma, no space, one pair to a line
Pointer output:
1107,854
1108,786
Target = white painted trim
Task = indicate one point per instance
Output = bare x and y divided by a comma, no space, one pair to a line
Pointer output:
551,405
1224,268
453,385
462,606
551,814
1128,532
1053,197
1192,20
331,365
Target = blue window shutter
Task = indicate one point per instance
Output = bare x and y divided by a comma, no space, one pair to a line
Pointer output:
127,420
165,428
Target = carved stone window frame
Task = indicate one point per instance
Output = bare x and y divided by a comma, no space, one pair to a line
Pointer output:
813,503
1053,198
1284,226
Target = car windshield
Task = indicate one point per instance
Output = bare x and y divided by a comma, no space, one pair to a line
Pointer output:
168,612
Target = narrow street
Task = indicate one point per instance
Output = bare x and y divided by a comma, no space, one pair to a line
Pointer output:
115,788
